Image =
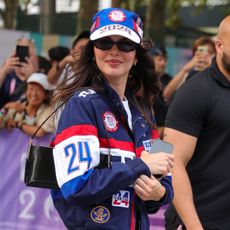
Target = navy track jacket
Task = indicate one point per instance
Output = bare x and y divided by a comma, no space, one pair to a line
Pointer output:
92,131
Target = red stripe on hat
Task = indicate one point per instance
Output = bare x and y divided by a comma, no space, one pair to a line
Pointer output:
135,27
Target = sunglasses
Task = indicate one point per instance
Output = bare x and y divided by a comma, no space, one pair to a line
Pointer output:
123,45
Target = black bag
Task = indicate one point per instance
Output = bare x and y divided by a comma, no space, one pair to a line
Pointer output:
39,169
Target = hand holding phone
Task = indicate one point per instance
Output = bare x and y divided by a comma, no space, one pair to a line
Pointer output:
202,49
159,160
22,52
202,56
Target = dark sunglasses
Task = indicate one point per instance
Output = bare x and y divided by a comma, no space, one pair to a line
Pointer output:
124,45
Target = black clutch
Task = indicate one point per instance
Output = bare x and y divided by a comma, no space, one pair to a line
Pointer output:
39,169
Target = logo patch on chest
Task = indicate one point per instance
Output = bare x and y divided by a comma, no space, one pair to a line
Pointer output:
121,199
111,123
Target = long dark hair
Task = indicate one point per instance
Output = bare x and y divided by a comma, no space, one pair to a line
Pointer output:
142,80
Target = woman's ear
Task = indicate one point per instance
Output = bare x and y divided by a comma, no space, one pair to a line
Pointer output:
135,61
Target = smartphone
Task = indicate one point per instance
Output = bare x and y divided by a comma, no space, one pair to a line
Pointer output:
159,145
202,49
201,65
22,52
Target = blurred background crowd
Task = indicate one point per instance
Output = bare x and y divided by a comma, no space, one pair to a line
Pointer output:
182,46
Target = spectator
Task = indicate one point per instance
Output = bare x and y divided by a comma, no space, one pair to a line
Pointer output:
44,65
160,59
105,175
57,53
198,125
30,114
65,66
13,73
203,51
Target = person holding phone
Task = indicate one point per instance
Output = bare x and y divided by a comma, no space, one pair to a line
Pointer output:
104,170
15,71
203,51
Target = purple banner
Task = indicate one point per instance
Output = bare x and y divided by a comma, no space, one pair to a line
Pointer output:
157,221
22,207
25,207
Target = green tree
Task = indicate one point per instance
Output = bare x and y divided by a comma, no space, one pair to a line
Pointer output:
155,20
128,4
155,17
154,12
9,13
87,9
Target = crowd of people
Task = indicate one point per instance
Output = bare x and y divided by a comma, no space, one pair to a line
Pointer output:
113,98
22,105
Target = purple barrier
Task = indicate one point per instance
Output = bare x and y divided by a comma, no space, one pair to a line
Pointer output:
22,207
25,207
157,221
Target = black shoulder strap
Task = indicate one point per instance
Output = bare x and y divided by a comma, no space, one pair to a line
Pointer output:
49,117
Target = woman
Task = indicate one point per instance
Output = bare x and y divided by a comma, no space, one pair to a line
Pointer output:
106,176
30,114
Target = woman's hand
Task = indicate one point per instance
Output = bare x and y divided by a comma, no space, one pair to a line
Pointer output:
149,188
159,163
17,105
25,69
11,124
10,63
202,60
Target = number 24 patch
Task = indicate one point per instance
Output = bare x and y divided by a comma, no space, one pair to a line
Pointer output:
121,199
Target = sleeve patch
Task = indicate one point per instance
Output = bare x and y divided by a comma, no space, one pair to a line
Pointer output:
75,156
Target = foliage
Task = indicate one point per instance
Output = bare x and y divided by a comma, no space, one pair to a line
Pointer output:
86,13
9,13
158,15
